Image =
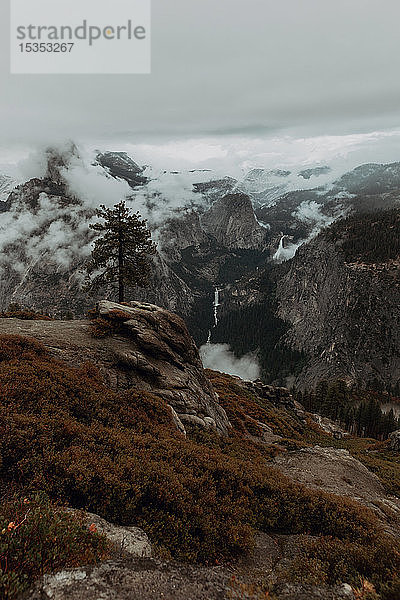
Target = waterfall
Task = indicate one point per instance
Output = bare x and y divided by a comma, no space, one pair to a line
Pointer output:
216,304
287,249
281,246
278,254
220,357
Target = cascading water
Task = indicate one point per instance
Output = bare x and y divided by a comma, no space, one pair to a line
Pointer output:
219,356
279,253
216,304
287,248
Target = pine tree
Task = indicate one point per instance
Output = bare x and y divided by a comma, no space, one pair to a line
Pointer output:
121,254
389,423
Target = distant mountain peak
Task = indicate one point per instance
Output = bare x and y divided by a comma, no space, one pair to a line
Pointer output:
314,172
122,166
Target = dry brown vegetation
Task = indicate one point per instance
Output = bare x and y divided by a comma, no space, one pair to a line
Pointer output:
119,455
38,537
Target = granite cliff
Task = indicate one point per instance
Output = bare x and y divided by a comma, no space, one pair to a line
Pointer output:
46,240
331,312
341,305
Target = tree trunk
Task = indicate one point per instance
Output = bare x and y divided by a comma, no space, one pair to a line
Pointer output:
121,290
121,282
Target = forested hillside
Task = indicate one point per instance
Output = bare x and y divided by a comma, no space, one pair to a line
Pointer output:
329,313
359,412
369,238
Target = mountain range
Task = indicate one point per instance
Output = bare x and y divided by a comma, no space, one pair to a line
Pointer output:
231,235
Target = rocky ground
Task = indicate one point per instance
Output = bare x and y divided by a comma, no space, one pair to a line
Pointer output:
149,579
334,470
132,576
151,350
134,573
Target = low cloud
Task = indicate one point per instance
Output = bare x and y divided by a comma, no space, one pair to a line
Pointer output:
220,357
93,186
50,233
56,229
311,214
167,195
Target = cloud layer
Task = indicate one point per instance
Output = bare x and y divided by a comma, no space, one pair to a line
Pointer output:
219,357
226,68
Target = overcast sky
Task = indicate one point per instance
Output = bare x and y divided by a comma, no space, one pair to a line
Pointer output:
246,68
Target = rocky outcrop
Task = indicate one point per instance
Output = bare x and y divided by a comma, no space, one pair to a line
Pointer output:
395,440
314,172
125,540
166,289
216,188
343,316
231,220
265,186
57,159
178,234
329,426
290,591
6,186
371,179
278,396
336,471
121,166
150,350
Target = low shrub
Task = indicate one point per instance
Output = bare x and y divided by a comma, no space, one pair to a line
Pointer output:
20,348
391,589
25,314
245,410
386,464
101,328
37,537
119,455
332,561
